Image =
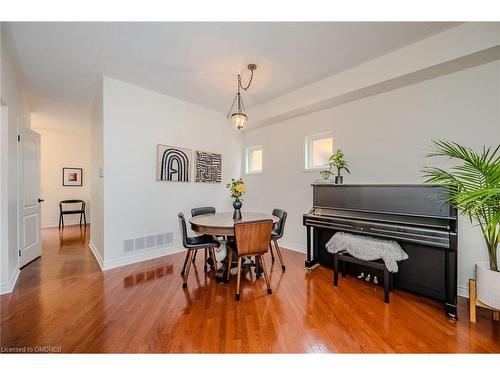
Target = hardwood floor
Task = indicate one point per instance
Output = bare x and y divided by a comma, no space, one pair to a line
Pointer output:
63,299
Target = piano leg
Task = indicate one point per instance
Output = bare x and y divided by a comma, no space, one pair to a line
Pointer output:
451,284
310,261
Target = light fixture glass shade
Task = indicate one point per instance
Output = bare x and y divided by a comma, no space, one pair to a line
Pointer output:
239,120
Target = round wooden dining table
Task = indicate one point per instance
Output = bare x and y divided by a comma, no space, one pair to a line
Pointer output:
222,225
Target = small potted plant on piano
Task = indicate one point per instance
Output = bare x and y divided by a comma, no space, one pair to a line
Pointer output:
337,161
326,174
473,187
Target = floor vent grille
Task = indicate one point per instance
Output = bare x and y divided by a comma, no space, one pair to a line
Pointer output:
148,242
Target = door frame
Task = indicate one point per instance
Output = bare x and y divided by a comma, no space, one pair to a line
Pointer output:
4,183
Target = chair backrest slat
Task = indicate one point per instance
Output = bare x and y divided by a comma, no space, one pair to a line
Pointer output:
72,201
183,229
280,227
202,210
252,238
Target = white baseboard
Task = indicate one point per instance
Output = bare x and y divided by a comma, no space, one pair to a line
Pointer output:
96,253
141,256
8,287
463,291
66,223
293,247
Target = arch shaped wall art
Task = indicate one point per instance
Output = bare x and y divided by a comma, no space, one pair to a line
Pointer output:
173,164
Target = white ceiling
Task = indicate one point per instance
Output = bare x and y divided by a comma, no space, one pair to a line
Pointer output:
198,62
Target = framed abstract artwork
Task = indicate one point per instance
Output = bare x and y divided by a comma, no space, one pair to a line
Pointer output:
72,176
208,166
173,164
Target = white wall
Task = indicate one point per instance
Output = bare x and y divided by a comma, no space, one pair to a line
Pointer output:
135,121
13,96
385,138
58,150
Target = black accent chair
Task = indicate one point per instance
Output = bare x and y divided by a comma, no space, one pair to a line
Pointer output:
277,233
195,212
192,244
80,211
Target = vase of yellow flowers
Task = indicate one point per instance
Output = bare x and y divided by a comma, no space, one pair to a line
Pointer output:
237,188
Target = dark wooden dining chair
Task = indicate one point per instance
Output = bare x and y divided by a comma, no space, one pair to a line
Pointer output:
80,211
277,233
195,212
192,244
252,239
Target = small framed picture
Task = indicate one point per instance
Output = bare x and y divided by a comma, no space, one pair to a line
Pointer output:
72,176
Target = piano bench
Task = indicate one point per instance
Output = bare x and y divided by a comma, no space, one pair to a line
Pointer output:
375,264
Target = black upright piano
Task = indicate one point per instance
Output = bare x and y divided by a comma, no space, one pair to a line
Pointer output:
414,215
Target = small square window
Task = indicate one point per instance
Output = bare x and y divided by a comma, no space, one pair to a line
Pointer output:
319,148
254,159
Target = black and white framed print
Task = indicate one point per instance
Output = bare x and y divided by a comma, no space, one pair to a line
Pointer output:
208,167
72,176
173,164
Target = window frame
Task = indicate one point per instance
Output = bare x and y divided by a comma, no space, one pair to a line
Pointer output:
248,151
308,145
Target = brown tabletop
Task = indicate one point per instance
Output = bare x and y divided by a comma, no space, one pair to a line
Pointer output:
222,224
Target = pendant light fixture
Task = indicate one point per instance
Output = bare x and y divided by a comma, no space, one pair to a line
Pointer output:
237,112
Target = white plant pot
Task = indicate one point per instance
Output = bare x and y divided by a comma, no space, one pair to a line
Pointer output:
487,285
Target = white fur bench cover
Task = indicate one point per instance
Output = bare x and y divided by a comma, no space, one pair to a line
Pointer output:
368,248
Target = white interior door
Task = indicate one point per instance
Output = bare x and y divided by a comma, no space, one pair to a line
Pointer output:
30,245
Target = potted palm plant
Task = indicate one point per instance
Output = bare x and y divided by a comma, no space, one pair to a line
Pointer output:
473,187
337,161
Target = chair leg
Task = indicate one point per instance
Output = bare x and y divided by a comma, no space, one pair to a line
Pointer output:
185,263
194,255
257,267
335,269
62,221
60,217
81,219
472,300
386,286
84,219
271,250
238,280
266,276
229,262
205,259
188,267
496,314
278,250
214,259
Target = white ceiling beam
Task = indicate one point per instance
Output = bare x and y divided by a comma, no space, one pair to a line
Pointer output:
456,49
